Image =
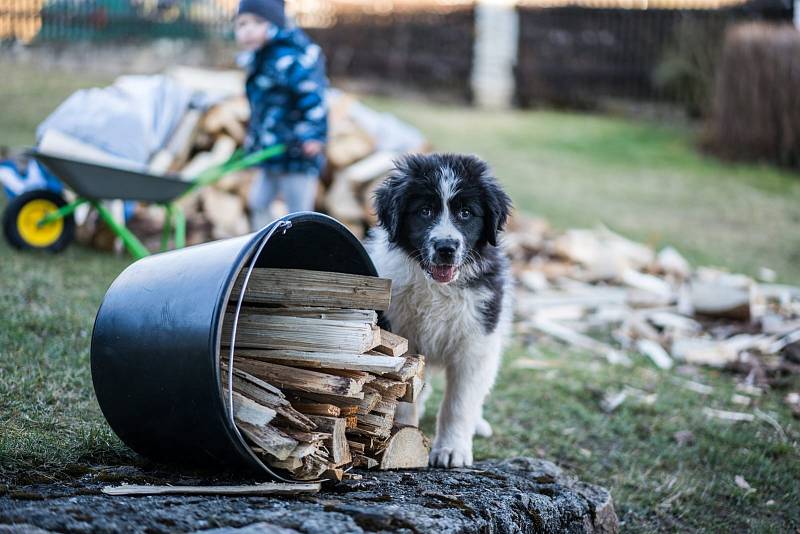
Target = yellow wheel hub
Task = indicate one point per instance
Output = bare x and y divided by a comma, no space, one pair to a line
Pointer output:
28,223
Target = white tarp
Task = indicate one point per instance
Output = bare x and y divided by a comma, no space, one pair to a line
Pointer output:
131,119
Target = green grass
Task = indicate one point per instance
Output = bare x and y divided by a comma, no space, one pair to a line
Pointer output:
642,179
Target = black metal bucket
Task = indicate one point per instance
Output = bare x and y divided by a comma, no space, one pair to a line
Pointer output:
156,340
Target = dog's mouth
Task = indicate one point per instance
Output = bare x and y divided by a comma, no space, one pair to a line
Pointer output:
443,273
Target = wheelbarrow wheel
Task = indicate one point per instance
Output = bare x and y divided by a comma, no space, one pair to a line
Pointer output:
21,222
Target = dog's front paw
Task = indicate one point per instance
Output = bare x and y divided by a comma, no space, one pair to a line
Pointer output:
451,455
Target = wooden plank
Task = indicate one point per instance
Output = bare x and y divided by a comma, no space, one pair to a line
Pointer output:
296,287
277,332
328,360
302,379
392,344
267,488
312,312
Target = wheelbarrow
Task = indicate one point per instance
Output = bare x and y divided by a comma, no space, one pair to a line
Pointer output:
42,219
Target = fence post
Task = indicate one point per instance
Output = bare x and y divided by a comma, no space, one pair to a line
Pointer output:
495,53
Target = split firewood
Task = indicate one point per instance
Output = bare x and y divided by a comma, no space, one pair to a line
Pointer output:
175,154
312,408
407,449
337,443
392,344
295,287
310,388
276,332
302,379
311,312
331,360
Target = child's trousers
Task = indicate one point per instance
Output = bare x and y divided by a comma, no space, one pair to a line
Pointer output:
297,190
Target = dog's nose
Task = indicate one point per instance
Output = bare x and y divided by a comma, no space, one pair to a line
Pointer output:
445,250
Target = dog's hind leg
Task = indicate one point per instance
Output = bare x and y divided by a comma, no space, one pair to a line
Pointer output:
483,428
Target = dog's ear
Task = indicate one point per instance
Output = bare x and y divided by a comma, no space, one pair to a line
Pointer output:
497,206
390,200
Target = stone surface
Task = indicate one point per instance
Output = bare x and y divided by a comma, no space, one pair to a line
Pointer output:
516,495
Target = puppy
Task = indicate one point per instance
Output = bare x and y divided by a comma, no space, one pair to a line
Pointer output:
440,217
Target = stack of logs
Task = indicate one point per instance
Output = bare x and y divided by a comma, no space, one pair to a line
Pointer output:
316,382
362,146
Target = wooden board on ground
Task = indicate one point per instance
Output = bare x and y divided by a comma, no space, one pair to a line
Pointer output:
268,488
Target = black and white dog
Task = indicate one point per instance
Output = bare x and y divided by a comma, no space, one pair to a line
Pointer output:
440,216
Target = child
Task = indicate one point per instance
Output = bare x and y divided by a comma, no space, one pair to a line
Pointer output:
286,90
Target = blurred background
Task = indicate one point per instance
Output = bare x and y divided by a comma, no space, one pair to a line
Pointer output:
652,151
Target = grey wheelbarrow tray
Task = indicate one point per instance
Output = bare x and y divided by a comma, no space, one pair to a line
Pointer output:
93,183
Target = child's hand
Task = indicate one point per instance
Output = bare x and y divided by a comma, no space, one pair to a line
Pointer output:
312,148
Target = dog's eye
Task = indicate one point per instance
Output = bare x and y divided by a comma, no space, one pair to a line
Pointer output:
426,212
464,213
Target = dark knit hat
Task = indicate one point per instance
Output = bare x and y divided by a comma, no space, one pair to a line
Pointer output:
271,10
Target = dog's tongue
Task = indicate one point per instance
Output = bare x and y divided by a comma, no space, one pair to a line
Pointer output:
443,273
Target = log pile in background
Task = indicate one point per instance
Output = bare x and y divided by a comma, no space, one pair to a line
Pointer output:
578,283
316,382
362,145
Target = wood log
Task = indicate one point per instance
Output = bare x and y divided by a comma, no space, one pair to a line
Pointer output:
388,388
329,360
413,366
223,149
297,287
251,412
392,344
407,449
371,399
337,443
176,152
414,390
313,312
302,379
365,462
248,385
266,488
314,408
274,332
337,400
269,438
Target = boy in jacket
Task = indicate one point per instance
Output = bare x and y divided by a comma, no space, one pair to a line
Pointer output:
286,89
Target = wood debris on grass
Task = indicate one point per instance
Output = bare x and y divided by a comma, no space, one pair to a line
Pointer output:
316,383
604,294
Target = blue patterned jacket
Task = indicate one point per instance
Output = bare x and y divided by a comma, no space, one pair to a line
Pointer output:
286,88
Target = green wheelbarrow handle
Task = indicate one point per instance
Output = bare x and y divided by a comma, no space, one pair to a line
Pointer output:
237,162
